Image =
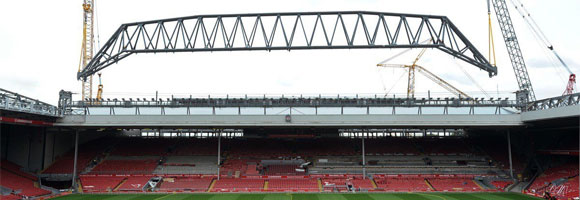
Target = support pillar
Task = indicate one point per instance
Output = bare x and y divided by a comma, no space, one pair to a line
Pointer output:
219,154
510,154
364,163
74,173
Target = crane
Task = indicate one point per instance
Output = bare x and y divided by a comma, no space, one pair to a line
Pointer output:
415,67
100,89
436,79
87,47
514,50
544,40
526,91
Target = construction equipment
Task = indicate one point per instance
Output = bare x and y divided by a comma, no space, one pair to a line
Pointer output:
544,40
87,47
571,83
100,90
430,76
526,91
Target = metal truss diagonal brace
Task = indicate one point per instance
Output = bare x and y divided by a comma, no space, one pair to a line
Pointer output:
287,31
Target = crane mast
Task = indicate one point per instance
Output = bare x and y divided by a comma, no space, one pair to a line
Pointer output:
526,92
87,47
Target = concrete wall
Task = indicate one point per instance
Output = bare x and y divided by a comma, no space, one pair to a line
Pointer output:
35,148
23,145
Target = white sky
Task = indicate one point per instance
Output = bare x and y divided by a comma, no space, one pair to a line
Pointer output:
40,45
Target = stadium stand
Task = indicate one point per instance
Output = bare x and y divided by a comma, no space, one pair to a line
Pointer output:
283,170
139,166
238,185
293,185
188,165
20,185
176,184
453,184
16,169
401,183
560,182
501,185
87,153
134,183
100,183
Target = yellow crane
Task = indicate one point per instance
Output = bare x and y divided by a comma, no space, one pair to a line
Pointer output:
100,89
87,47
411,77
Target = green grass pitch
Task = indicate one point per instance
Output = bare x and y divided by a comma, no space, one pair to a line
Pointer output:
302,196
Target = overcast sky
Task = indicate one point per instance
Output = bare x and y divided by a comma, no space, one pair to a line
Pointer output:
40,46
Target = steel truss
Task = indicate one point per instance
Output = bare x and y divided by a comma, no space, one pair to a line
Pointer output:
287,31
83,107
555,102
15,102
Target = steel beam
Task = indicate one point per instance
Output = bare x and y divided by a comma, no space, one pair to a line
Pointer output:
287,31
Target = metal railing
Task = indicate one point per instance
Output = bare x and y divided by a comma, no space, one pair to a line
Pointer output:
312,104
15,102
555,102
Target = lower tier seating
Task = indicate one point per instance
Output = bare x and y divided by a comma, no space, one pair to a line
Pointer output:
21,185
238,185
402,184
170,184
303,185
501,185
100,183
14,168
134,183
454,184
560,182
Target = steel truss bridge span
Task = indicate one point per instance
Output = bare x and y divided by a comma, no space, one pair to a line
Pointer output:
287,31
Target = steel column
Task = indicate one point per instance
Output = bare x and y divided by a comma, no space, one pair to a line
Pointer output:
510,154
219,154
364,163
74,173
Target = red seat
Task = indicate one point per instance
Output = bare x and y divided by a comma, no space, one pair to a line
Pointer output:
185,184
100,183
17,182
237,185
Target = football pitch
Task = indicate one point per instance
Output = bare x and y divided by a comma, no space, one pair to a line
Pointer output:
303,196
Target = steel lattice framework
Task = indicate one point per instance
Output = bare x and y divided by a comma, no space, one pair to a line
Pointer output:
287,31
513,48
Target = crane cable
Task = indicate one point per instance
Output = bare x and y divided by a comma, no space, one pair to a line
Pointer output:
537,31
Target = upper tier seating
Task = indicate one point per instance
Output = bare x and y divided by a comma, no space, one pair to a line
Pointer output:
188,165
238,185
199,147
390,146
17,183
444,147
143,147
283,170
100,183
302,184
185,184
125,167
